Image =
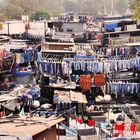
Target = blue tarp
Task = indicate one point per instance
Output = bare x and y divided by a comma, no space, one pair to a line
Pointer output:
26,73
110,26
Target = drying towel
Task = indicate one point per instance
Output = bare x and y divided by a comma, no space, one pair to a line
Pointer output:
79,120
99,79
85,82
133,128
120,128
18,58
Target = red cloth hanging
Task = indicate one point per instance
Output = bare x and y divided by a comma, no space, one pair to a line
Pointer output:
116,127
1,114
120,128
116,135
85,82
99,36
109,42
133,128
91,123
99,79
1,53
79,120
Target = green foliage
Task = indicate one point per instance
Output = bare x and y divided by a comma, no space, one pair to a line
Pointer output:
13,12
54,13
39,15
2,16
16,8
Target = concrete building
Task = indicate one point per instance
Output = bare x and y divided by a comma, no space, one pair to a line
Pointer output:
74,27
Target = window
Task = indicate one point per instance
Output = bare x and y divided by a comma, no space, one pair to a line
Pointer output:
69,30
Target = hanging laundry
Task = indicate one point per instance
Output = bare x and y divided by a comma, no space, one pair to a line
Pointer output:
22,58
119,128
22,113
133,128
1,53
58,69
65,69
39,56
26,56
103,125
85,82
138,63
118,51
99,79
23,55
91,123
18,58
121,88
79,120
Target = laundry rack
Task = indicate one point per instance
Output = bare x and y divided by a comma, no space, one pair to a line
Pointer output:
57,55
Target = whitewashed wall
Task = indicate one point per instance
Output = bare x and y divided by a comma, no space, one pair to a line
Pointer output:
16,27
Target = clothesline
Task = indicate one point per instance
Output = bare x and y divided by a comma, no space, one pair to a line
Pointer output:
118,51
102,59
89,65
120,57
123,83
121,88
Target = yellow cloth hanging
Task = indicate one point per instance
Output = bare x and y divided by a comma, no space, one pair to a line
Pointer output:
18,58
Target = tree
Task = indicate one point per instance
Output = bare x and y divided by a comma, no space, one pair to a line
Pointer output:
131,3
13,9
40,15
2,16
54,13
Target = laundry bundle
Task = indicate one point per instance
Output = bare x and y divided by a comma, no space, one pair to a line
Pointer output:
85,82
